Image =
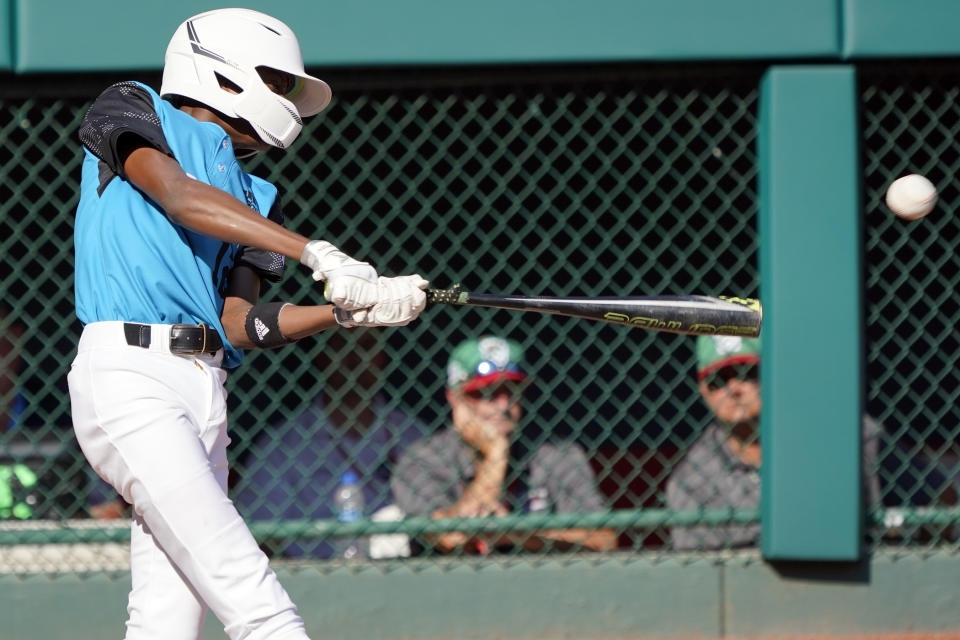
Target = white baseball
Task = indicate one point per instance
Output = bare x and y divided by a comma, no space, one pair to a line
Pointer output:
911,197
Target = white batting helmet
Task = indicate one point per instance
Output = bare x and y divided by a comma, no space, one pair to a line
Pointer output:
233,44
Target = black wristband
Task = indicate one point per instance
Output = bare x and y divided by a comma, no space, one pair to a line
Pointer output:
263,325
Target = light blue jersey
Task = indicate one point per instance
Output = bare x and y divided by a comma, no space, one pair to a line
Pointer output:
132,262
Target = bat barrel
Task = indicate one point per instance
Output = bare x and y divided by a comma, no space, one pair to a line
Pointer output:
692,315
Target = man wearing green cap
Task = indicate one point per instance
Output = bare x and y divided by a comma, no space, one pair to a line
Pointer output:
471,470
721,470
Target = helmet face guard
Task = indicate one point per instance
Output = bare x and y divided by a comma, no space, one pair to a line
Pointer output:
231,45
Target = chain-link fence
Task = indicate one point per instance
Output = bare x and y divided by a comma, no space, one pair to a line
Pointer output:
560,181
911,119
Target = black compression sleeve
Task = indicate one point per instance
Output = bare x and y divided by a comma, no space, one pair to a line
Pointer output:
263,325
269,265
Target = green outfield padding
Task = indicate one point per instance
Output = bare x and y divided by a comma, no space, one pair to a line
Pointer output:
898,28
57,35
628,597
811,376
8,35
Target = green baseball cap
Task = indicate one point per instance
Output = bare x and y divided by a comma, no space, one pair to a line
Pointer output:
715,352
483,361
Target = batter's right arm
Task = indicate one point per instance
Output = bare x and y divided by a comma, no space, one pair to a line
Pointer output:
202,207
122,129
198,206
350,284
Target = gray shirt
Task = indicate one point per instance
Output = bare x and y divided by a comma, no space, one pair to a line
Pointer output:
434,472
712,476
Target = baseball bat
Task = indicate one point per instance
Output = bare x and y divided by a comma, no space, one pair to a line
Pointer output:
691,315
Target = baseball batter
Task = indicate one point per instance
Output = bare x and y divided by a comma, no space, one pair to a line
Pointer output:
172,241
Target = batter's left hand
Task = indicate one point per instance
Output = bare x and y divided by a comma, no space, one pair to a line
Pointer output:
399,301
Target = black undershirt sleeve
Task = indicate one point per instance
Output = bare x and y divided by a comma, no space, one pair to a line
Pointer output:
268,265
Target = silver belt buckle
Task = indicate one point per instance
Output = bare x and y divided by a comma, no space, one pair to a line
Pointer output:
190,352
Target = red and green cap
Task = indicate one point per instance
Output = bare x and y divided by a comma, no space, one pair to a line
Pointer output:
716,352
483,361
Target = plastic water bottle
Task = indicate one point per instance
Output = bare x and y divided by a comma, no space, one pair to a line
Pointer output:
348,501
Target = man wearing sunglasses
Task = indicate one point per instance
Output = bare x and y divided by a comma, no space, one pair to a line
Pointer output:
475,469
721,470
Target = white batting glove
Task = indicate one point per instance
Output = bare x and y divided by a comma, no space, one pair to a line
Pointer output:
350,284
400,301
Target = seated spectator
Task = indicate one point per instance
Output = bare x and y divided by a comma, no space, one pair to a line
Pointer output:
915,476
721,470
17,480
35,467
350,426
11,403
467,471
103,502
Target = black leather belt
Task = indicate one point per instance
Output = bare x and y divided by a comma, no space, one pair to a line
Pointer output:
184,338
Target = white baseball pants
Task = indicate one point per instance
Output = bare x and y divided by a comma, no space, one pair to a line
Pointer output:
154,425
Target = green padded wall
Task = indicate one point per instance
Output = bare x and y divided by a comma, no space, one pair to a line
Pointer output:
57,35
896,28
7,42
810,285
